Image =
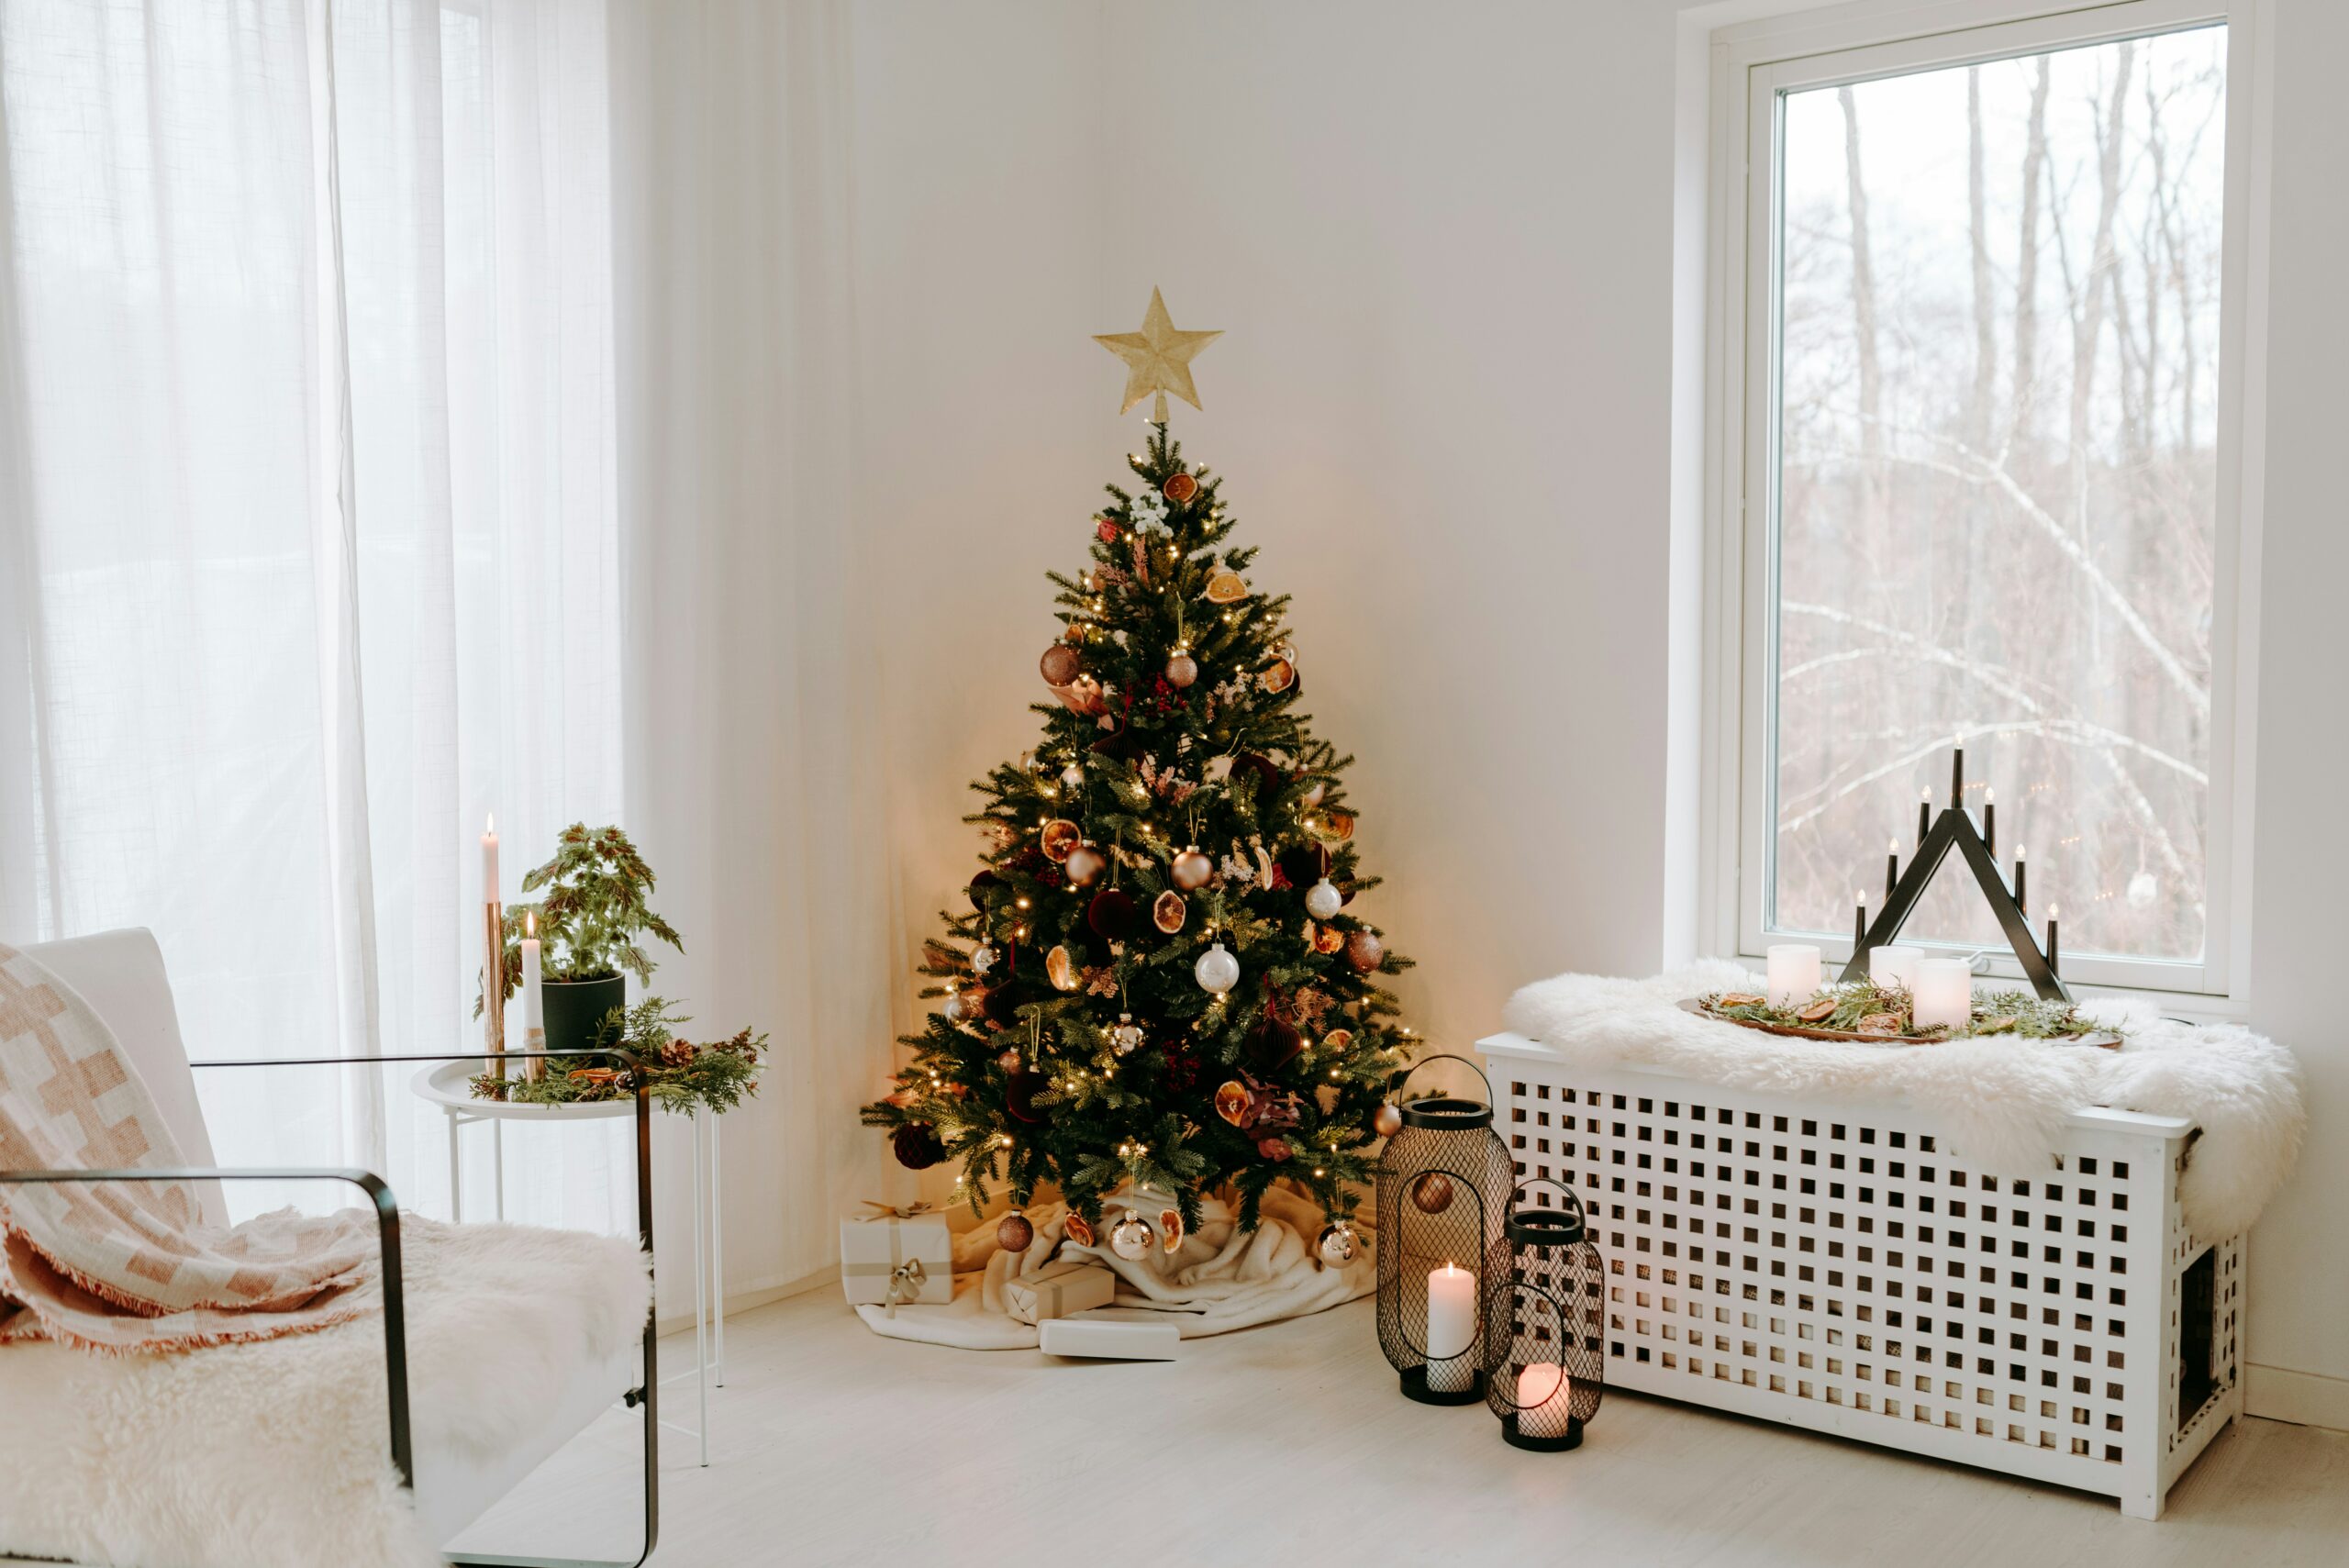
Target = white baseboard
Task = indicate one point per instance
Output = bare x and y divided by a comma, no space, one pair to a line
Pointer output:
755,1295
2303,1399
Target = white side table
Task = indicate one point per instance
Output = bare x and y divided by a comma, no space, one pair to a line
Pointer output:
450,1086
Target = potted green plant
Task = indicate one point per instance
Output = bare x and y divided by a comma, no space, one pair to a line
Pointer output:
594,917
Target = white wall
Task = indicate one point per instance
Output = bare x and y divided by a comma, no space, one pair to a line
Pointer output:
1442,242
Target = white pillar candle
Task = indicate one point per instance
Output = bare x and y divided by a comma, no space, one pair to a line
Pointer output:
1943,993
489,861
1451,1330
1895,965
534,1005
1544,1400
1794,974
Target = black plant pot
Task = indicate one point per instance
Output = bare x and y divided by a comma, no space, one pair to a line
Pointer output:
575,1011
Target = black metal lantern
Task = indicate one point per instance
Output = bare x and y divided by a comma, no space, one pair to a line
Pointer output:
1443,1186
1544,1320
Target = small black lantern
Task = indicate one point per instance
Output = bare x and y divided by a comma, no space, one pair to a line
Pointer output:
1443,1186
1545,1320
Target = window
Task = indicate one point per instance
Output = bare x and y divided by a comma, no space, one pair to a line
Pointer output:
1977,426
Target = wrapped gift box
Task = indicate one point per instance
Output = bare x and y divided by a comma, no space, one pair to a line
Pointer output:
1115,1334
897,1260
1057,1289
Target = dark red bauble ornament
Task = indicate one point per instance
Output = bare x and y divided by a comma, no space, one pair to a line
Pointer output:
1020,1089
1272,1044
1111,914
981,885
1432,1192
1061,664
916,1147
1248,764
1000,1008
1014,1232
1303,864
1116,744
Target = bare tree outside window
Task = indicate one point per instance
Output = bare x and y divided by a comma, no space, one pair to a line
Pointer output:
1997,518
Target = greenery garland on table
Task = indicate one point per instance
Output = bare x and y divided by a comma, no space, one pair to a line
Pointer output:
1862,1006
679,1074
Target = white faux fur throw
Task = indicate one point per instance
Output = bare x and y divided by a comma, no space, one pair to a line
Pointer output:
2003,1099
1217,1280
274,1454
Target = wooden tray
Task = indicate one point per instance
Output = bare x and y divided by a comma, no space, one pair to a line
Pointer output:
2104,1038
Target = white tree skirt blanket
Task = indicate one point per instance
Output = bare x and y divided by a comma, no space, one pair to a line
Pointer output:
2003,1099
1217,1280
275,1454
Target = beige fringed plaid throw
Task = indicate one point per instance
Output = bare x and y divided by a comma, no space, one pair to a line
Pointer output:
120,1267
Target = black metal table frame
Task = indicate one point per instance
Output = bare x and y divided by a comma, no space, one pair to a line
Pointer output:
387,1231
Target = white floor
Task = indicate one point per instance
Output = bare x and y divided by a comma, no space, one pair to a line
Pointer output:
1290,1445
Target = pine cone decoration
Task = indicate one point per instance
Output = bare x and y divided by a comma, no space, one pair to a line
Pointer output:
678,1053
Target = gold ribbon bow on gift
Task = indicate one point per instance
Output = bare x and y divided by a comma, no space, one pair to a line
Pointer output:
897,1211
905,1285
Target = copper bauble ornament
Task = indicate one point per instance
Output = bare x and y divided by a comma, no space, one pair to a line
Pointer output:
1387,1121
1181,669
1179,488
1085,863
1335,827
1058,838
1130,1238
1111,914
1432,1192
1338,1245
1079,1229
1168,912
1008,1062
1364,950
1322,900
916,1146
1190,869
1014,1232
1234,1104
1061,664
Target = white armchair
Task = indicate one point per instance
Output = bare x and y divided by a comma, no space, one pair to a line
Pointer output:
63,1403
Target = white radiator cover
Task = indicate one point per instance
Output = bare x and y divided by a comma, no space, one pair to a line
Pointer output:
1834,1265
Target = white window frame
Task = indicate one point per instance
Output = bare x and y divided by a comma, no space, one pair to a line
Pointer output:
1750,64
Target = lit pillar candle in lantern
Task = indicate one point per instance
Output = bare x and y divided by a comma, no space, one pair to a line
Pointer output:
1943,993
489,861
534,1008
1451,1330
493,951
1894,966
1794,974
1544,1400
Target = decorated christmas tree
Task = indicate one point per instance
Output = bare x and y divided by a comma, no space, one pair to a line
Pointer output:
1159,981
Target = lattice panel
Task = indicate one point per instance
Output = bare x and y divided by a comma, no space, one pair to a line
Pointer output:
1838,1268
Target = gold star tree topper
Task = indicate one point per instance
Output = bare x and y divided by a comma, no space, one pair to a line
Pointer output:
1158,359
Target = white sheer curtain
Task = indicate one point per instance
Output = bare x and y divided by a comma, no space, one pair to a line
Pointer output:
308,549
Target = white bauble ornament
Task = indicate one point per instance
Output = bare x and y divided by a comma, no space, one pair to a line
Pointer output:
1085,863
1313,796
2142,890
1338,1245
1191,869
1127,1036
982,959
1216,970
1073,776
1322,899
954,1008
1130,1238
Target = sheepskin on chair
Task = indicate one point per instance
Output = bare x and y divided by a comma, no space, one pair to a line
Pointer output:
275,1453
2004,1099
